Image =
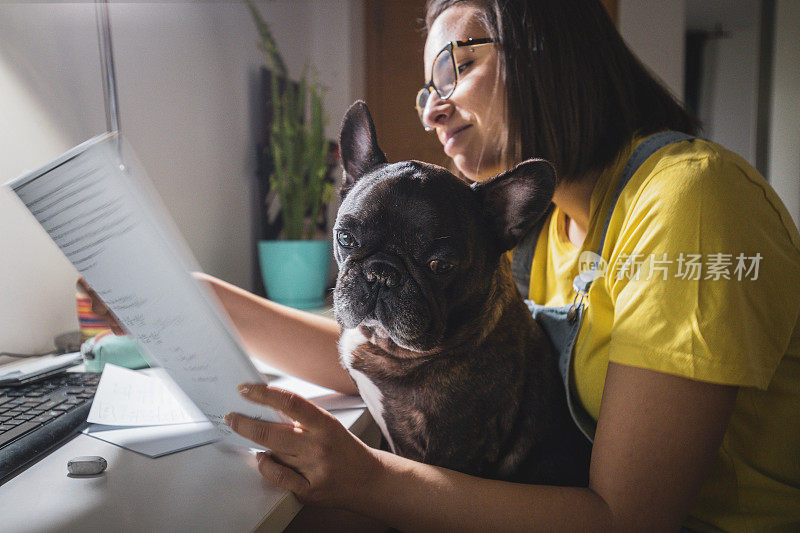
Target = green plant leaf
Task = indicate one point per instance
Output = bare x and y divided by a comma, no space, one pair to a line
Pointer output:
297,145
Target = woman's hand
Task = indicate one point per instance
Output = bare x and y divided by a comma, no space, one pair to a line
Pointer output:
318,459
100,309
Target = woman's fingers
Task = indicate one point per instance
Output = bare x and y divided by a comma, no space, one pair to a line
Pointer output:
85,286
280,475
100,309
316,458
294,406
282,438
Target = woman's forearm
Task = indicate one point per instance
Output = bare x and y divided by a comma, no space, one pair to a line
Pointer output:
302,344
413,496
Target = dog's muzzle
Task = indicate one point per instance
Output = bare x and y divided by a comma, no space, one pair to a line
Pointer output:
384,270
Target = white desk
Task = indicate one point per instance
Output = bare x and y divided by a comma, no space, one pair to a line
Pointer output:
207,488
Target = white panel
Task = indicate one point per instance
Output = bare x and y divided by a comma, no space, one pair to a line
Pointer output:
186,74
784,159
654,30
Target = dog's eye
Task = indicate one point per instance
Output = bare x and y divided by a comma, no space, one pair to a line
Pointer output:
440,267
345,239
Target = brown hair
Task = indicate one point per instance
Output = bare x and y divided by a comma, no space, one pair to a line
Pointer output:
575,93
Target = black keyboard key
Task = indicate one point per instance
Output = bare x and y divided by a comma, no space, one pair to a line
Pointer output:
44,418
18,431
36,417
52,403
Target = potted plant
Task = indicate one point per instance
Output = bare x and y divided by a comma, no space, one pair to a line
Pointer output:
295,267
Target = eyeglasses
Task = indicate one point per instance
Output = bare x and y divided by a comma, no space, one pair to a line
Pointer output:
446,71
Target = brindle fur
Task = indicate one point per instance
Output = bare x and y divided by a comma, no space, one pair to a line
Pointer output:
482,395
494,409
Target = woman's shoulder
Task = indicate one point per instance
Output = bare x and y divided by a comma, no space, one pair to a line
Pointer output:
696,166
705,178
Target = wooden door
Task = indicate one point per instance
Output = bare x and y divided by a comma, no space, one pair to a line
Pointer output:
395,39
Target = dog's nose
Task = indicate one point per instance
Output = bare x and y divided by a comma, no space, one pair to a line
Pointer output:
384,270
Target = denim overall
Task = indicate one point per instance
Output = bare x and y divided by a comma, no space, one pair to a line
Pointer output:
562,324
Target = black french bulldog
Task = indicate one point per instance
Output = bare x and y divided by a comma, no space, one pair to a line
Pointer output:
435,334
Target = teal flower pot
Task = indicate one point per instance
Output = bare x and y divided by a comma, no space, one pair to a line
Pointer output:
295,272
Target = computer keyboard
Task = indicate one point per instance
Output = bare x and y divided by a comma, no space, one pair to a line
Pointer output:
36,417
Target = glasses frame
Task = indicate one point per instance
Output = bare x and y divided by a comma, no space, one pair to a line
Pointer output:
430,86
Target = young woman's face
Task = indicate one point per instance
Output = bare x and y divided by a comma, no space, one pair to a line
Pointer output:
469,124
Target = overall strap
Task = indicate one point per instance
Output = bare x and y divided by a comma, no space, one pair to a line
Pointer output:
645,149
523,253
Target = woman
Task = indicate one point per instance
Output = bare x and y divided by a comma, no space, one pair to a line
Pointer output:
694,382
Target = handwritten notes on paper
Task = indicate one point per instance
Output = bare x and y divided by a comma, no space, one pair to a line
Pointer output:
146,413
93,206
128,398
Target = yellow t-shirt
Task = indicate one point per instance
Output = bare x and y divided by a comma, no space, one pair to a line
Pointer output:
717,299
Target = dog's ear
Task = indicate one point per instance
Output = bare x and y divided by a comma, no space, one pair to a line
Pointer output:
514,200
358,145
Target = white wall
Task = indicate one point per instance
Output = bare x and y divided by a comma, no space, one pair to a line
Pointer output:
338,56
50,100
784,160
730,95
654,30
186,75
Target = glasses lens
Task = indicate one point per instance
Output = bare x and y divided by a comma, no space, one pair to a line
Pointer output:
444,73
420,102
422,99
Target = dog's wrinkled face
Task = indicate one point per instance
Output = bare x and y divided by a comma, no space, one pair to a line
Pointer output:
405,251
416,246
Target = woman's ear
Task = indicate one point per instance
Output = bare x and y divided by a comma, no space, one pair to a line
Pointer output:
514,200
358,145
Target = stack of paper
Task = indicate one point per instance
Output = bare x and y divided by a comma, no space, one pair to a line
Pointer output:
147,414
94,203
144,411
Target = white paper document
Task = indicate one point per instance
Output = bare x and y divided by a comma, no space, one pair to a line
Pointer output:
323,398
93,204
156,441
145,412
126,397
39,365
327,399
